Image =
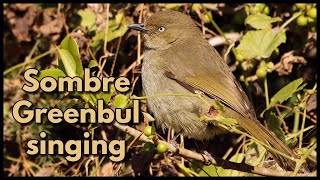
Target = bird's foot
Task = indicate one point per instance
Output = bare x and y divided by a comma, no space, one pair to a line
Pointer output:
210,158
173,142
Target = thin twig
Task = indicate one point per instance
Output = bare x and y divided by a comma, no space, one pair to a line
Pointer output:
115,56
291,109
216,161
139,34
133,65
231,148
106,53
29,61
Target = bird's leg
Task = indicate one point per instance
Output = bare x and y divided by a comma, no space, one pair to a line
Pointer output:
173,142
182,146
210,158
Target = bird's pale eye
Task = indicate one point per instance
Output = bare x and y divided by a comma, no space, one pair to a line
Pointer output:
161,29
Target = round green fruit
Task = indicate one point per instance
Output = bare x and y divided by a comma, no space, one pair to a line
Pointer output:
162,148
239,57
261,72
196,7
259,7
148,131
302,106
312,13
301,5
266,10
206,18
302,20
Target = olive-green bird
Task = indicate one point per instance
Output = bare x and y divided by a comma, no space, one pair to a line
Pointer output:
178,60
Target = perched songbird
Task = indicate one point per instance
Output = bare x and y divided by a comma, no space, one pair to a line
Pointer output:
178,60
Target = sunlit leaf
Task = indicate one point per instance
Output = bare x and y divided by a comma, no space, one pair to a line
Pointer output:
68,62
69,44
55,73
117,28
93,63
261,21
120,101
260,43
88,19
106,96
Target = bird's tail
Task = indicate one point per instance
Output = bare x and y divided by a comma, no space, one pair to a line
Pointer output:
267,137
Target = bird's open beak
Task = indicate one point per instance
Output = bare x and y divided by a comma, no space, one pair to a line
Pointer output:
138,27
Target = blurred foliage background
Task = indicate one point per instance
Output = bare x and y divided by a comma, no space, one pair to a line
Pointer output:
31,32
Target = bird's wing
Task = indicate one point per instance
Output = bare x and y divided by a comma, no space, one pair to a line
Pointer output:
210,74
231,95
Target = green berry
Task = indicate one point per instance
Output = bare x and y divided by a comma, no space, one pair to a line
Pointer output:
162,148
310,91
302,106
308,6
270,65
302,21
148,131
310,20
313,29
266,10
151,137
206,18
239,57
259,7
261,72
312,13
248,79
196,7
251,10
301,6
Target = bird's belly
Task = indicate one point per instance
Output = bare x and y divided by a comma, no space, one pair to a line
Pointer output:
182,113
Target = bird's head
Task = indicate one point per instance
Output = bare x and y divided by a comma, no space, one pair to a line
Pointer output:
165,29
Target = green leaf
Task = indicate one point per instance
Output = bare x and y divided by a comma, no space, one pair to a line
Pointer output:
93,63
106,96
120,101
274,124
70,44
117,28
260,43
255,154
88,19
285,93
68,62
55,73
261,21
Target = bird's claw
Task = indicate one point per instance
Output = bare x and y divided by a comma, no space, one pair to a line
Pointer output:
176,145
210,158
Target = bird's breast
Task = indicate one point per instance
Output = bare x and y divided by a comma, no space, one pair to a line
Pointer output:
172,105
